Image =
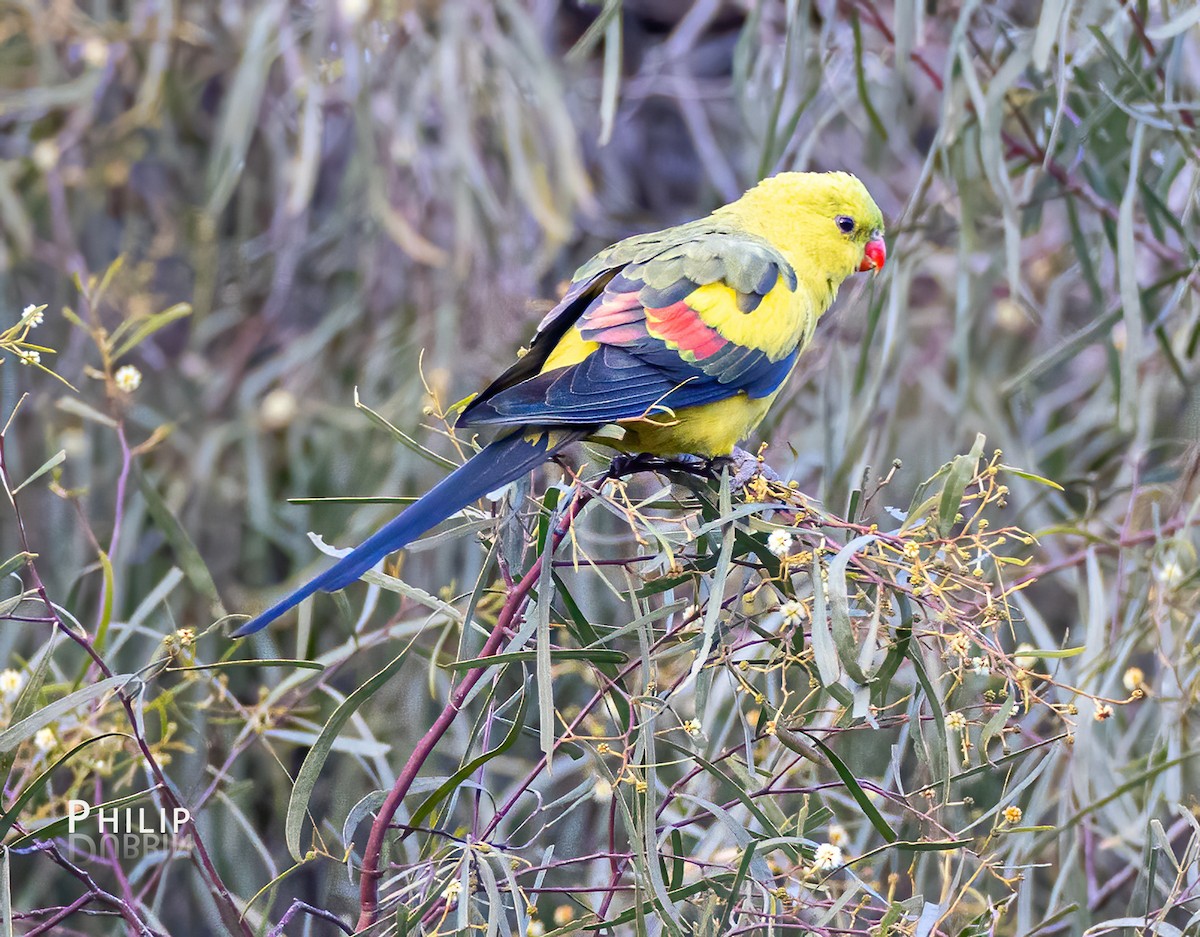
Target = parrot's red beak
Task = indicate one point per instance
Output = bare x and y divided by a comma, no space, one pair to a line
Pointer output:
874,256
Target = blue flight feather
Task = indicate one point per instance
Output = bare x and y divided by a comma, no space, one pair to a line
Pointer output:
499,464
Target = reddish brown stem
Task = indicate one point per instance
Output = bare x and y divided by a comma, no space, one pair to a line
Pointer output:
513,607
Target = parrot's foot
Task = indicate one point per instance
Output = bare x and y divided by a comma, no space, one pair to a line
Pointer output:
627,463
743,466
630,464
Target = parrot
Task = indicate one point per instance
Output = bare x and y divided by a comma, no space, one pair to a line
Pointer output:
673,343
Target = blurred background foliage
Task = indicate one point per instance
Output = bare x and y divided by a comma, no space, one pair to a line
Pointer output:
314,200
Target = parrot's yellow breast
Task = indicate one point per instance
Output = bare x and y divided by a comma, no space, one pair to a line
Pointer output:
709,430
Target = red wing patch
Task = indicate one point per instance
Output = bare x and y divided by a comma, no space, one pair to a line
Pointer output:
621,318
680,325
616,309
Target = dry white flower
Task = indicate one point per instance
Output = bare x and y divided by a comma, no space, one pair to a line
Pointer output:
279,408
95,52
603,790
792,612
1022,658
45,740
11,684
780,543
45,154
1170,572
128,378
827,857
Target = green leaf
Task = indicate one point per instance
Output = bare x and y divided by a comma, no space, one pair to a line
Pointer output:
824,649
962,470
15,562
148,326
839,607
594,655
26,728
898,651
252,662
578,53
465,771
1058,652
106,611
678,862
610,85
314,761
6,908
712,609
80,409
10,816
188,557
1030,477
56,459
882,827
542,674
402,437
994,725
96,295
860,77
549,503
938,750
665,584
735,887
26,703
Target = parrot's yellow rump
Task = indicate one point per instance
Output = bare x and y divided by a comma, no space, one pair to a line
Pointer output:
667,343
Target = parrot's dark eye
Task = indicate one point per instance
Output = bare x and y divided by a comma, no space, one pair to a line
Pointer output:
845,224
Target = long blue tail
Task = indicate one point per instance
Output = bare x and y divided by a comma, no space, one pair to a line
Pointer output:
502,462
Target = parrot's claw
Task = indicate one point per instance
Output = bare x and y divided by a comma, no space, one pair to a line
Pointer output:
627,463
743,466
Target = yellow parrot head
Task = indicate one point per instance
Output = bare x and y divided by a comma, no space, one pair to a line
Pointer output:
824,221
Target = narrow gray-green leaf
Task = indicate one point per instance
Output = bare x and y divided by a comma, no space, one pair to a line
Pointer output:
839,607
402,437
13,813
314,761
150,325
46,466
543,675
938,749
994,725
189,558
823,647
28,727
716,589
15,562
6,909
962,470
